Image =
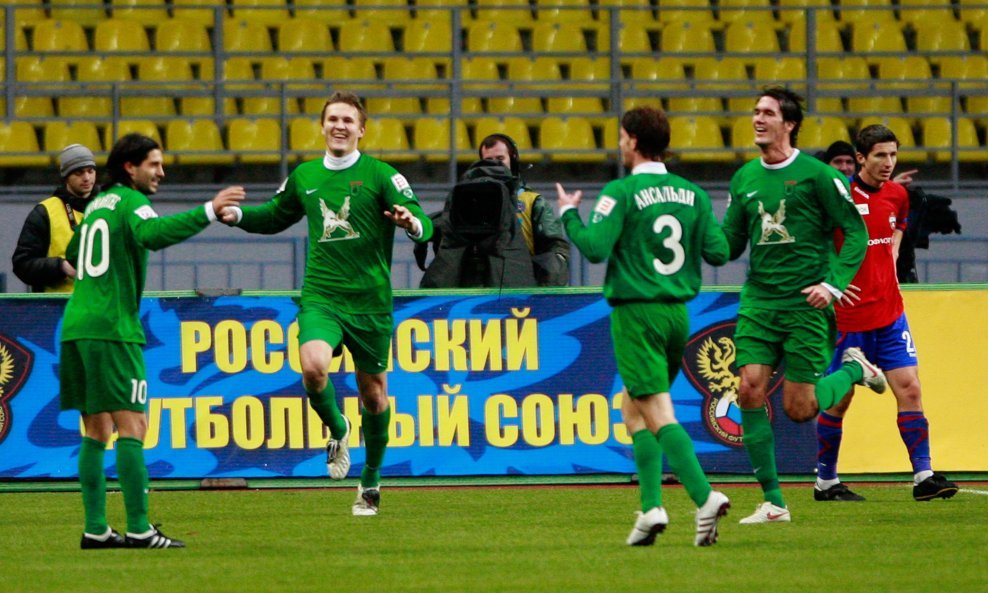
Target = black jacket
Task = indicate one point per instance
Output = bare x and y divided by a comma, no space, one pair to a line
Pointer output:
31,261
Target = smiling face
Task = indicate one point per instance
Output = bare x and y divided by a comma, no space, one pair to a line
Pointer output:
878,164
148,174
771,131
342,128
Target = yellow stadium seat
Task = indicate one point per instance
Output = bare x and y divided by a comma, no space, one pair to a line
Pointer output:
28,12
354,74
828,38
865,11
938,137
255,141
563,11
45,73
882,102
789,70
431,136
686,37
558,37
19,146
305,138
423,72
240,35
753,10
818,132
157,108
793,11
877,36
267,12
478,69
491,36
841,74
559,137
204,12
747,36
428,37
973,12
185,138
920,12
627,11
330,11
95,102
178,35
940,38
363,35
133,126
697,140
515,127
694,11
59,134
146,12
396,12
85,12
971,71
304,35
386,139
692,105
903,131
118,35
726,76
526,73
20,39
275,71
743,138
633,38
57,35
507,11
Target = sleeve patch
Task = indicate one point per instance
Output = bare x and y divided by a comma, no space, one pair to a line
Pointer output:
605,205
282,187
843,190
146,212
398,180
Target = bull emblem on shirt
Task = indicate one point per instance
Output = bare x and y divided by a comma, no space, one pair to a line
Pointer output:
336,226
772,225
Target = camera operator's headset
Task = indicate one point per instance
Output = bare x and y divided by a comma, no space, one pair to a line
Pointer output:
512,151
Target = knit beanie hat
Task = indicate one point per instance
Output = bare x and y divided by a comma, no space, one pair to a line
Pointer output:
74,156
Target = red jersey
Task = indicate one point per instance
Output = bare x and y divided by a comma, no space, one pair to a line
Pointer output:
884,210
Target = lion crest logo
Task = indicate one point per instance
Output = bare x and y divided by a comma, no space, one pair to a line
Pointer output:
15,368
709,365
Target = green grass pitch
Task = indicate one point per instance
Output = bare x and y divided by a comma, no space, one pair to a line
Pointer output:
480,539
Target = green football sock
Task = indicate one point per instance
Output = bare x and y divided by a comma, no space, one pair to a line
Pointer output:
832,388
324,404
678,447
375,428
92,481
648,460
759,442
133,476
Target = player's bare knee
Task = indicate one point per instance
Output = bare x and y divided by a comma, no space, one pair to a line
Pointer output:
801,411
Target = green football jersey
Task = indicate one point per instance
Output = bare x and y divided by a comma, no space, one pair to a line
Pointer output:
786,214
653,228
350,238
110,253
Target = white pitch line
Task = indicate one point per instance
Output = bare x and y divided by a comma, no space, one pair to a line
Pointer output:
972,491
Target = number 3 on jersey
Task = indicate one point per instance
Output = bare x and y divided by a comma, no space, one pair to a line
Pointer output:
672,243
85,266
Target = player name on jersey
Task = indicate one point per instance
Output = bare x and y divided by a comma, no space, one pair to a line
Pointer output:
664,194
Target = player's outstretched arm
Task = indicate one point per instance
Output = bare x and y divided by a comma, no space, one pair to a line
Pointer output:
226,197
406,219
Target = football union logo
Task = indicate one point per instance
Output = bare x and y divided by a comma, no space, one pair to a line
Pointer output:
708,364
15,367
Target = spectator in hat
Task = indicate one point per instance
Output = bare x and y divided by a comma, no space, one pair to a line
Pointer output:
39,259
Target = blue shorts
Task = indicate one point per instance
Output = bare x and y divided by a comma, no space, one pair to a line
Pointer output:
890,347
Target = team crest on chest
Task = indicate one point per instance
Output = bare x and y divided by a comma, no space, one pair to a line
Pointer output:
336,225
773,229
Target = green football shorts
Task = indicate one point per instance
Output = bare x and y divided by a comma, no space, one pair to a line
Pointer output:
102,376
803,338
367,337
649,339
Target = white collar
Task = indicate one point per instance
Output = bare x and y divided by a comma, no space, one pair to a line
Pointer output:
657,167
338,163
784,163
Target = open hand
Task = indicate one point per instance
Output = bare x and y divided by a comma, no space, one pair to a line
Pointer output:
568,199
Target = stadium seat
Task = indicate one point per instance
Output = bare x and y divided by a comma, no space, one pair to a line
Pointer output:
29,12
118,35
328,11
186,137
729,11
431,136
789,70
972,70
363,35
748,36
95,101
794,11
563,11
492,36
908,153
391,12
43,76
697,140
940,38
879,102
633,38
974,13
828,38
305,138
921,12
385,138
478,69
19,146
559,136
154,107
127,126
84,12
58,35
525,73
204,12
865,11
179,35
819,132
59,134
426,36
868,37
743,138
355,74
726,76
848,75
147,12
245,36
266,12
517,12
275,71
694,11
685,37
657,76
937,135
414,70
558,37
304,36
255,141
